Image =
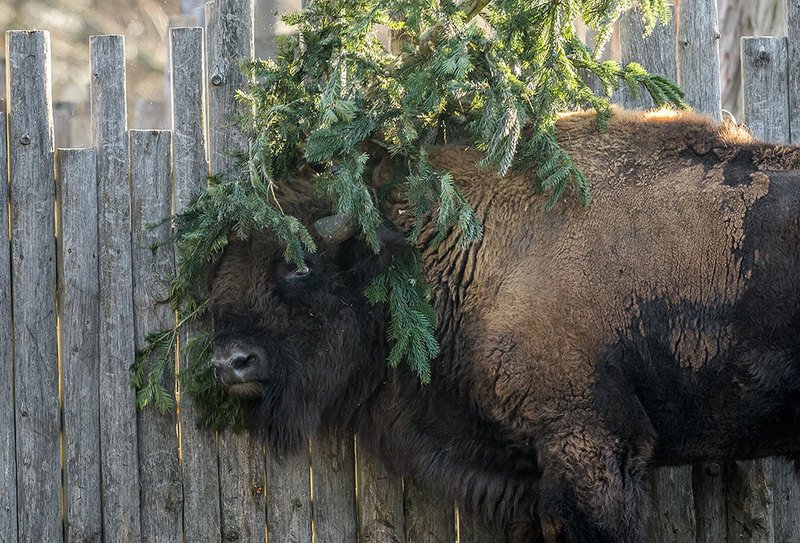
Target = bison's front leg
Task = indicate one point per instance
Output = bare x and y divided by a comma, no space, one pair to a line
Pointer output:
593,490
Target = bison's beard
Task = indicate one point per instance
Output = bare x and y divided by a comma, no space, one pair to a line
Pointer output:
251,390
283,419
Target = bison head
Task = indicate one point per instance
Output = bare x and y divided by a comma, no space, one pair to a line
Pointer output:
298,345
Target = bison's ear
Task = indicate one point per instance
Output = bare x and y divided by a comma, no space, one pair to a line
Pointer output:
363,264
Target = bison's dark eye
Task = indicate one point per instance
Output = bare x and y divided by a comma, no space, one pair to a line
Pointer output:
299,273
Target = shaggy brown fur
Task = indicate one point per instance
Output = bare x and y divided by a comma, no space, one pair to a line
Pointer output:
579,346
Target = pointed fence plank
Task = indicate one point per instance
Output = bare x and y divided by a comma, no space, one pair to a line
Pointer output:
656,53
201,507
229,39
698,56
80,349
33,263
380,501
8,465
153,263
119,458
332,457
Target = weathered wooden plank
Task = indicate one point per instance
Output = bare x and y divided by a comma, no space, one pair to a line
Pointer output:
242,487
289,498
749,502
672,517
229,39
786,498
8,465
33,255
764,86
471,530
708,485
429,517
380,501
656,53
119,458
793,36
79,321
698,56
332,458
201,506
152,258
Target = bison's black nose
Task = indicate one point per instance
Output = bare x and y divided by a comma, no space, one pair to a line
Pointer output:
236,362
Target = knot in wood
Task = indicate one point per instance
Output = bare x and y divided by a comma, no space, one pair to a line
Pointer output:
713,469
25,139
763,55
231,535
217,80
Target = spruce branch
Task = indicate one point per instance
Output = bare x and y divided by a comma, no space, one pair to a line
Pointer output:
333,91
431,37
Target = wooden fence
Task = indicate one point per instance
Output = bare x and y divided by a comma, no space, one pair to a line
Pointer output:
78,462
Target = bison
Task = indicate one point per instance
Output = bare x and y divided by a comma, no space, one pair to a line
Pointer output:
579,346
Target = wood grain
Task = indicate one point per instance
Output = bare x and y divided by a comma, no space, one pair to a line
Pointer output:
764,81
229,39
33,266
793,72
289,498
380,501
656,53
8,464
78,286
201,507
429,516
672,516
152,258
332,457
118,441
698,56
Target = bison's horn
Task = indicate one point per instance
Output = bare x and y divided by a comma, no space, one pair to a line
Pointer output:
336,229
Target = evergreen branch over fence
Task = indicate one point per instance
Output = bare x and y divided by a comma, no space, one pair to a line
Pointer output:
491,73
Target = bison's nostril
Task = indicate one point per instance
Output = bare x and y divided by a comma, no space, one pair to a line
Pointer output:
241,361
237,362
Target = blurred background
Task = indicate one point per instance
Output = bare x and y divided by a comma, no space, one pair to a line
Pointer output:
145,23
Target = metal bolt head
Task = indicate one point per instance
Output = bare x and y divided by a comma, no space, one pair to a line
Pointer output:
25,139
217,80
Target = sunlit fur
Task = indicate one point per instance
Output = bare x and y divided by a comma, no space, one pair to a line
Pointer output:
580,346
